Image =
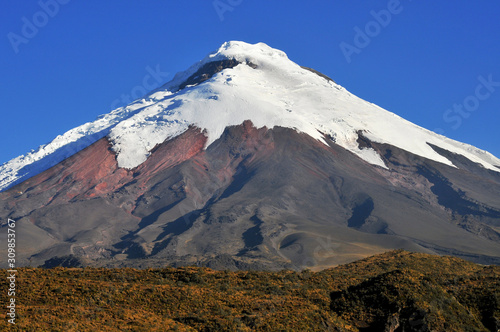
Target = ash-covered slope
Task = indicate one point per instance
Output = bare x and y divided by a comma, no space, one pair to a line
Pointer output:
255,198
247,160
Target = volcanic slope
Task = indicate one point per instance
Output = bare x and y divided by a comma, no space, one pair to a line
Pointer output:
247,160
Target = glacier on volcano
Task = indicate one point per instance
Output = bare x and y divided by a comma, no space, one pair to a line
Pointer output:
264,87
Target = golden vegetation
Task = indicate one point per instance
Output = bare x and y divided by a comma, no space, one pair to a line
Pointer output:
393,291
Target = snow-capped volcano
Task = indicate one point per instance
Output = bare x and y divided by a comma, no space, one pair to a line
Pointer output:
246,82
248,160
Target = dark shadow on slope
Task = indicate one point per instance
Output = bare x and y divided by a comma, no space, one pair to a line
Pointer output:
360,213
127,242
463,162
252,236
179,225
454,199
183,223
68,261
153,217
444,251
239,180
174,228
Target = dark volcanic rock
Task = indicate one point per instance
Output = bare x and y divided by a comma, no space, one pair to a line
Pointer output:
207,71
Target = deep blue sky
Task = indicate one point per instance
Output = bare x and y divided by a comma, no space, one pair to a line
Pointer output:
430,56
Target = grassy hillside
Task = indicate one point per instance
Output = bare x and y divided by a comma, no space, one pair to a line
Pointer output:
392,291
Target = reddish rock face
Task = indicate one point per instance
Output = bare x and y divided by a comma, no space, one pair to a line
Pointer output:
172,153
93,168
94,171
255,198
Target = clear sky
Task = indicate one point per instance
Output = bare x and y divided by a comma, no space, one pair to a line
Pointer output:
64,62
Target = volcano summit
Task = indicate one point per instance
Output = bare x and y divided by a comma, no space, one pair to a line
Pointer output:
248,160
